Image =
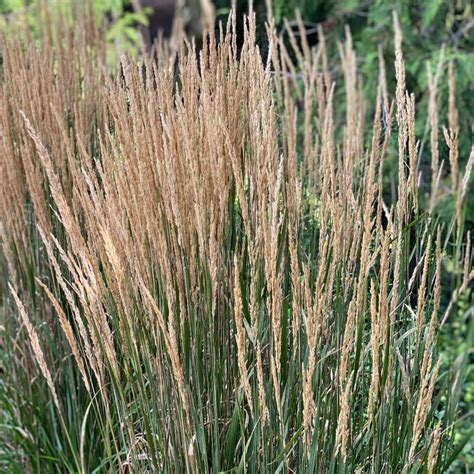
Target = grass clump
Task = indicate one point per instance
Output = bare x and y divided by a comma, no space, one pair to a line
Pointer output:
203,273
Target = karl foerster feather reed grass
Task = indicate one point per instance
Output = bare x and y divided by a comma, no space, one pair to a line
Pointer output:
204,274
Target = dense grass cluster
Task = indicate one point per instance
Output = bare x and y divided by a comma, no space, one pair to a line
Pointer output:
204,270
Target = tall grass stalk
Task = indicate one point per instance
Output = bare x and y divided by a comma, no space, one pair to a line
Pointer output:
204,272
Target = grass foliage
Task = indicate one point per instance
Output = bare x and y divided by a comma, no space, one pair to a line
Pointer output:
204,268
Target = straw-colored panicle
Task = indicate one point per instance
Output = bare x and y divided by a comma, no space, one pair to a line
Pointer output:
69,333
452,132
383,291
451,138
397,236
88,335
91,299
425,397
240,336
314,309
430,336
421,300
262,398
401,121
300,58
412,151
14,188
428,375
383,120
327,161
352,141
383,78
310,79
169,337
36,347
291,164
347,343
214,259
433,452
342,432
8,255
433,121
375,342
325,61
57,193
308,405
273,277
453,114
405,378
207,14
296,287
254,318
119,286
380,123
